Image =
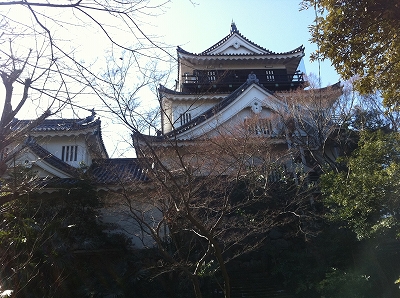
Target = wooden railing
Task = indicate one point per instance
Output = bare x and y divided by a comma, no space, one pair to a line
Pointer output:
214,79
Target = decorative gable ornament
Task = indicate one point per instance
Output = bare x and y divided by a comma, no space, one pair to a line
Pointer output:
256,106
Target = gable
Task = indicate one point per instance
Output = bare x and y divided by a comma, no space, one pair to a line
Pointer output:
236,45
253,100
43,167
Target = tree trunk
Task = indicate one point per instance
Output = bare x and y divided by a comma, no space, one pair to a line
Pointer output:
196,286
225,275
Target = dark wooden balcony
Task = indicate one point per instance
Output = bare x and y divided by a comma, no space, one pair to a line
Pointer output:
228,81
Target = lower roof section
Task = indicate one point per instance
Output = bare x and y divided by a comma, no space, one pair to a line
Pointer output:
116,171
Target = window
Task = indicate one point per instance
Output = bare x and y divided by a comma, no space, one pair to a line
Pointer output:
261,127
69,153
211,75
185,118
270,75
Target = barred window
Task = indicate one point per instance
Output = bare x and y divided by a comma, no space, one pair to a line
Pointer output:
69,153
185,118
211,75
270,75
260,127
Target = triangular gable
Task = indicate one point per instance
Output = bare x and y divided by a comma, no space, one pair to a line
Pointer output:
254,97
236,44
40,160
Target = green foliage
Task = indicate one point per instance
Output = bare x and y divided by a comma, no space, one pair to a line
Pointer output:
366,195
304,265
362,39
338,284
370,119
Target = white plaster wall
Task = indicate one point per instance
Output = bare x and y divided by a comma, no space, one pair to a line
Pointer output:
54,145
240,51
195,108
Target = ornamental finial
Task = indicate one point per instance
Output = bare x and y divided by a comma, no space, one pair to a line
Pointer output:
88,119
233,27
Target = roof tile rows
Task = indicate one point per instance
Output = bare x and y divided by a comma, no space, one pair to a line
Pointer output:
234,31
117,171
56,124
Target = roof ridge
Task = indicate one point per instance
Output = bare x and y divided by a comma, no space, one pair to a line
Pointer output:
56,124
234,30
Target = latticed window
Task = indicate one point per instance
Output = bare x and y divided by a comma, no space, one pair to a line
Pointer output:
211,75
270,75
185,118
69,153
260,127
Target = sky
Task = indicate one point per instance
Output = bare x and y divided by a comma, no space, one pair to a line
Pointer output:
194,25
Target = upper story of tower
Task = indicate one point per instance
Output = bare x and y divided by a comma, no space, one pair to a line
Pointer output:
226,65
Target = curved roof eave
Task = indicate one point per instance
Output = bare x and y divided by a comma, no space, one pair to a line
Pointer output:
100,140
263,52
173,94
55,125
64,126
286,59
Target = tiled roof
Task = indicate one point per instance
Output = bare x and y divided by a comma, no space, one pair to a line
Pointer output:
223,104
299,49
58,183
108,172
116,171
234,31
227,37
163,89
56,124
